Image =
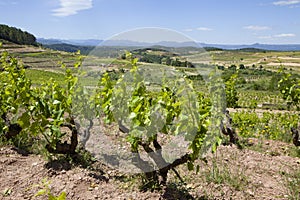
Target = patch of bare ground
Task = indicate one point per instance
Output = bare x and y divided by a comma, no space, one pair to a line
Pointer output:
21,49
284,64
231,173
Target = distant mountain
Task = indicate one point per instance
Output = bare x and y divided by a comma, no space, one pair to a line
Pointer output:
89,42
49,41
94,42
270,47
70,48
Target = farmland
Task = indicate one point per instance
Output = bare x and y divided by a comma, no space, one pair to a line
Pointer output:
264,164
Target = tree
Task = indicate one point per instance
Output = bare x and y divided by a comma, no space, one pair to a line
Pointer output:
242,66
232,67
17,36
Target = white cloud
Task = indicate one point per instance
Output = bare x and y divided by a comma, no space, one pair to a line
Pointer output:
71,7
265,37
204,29
257,28
278,36
286,2
285,35
188,30
199,29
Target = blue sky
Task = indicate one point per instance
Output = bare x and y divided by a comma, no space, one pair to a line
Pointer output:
209,21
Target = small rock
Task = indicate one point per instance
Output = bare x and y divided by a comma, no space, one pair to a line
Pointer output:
251,193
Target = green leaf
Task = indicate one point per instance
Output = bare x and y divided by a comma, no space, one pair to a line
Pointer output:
190,166
24,120
136,110
62,196
41,192
52,197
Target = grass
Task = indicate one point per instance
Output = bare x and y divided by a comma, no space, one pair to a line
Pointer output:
292,184
228,58
40,76
222,174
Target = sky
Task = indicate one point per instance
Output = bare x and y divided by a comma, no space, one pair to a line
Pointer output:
207,21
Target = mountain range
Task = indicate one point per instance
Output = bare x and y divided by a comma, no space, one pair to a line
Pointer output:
95,42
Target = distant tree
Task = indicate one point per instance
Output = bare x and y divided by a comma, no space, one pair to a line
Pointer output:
242,66
232,67
221,67
16,35
123,56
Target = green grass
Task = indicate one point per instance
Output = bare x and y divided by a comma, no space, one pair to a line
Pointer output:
40,76
227,58
292,183
222,174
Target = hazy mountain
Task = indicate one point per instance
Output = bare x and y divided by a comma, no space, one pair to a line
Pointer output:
89,42
273,47
94,42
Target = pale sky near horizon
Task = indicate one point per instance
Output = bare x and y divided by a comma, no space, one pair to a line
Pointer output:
208,21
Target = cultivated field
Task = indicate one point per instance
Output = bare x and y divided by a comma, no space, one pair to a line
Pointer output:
263,164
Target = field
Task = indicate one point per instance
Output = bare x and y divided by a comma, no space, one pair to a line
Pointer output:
263,164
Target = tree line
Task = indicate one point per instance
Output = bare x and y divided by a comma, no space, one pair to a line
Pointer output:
16,35
164,58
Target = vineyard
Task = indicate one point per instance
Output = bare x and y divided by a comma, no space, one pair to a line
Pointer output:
148,124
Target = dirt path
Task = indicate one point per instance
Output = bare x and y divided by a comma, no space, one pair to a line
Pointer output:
250,175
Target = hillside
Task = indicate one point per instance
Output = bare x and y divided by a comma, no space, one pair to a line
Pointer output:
16,35
264,165
94,42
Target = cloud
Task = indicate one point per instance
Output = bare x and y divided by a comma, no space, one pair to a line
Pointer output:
276,37
71,7
204,29
257,28
285,35
188,30
199,29
286,2
265,37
